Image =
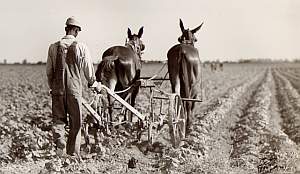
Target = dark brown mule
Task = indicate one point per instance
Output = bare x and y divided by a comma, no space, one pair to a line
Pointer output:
184,69
121,66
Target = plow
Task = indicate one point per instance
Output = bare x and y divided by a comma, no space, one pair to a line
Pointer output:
171,112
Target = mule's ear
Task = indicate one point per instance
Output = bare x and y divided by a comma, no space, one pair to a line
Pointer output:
196,29
129,33
181,25
141,32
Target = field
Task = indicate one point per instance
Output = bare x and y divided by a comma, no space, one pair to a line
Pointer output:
248,122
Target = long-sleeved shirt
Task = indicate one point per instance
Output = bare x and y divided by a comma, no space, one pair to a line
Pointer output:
85,63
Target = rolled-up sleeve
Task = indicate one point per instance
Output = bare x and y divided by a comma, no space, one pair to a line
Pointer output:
49,65
87,65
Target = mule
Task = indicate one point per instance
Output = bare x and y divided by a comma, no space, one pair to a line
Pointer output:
184,69
121,67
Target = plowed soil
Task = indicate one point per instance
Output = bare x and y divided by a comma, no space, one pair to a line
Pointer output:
248,122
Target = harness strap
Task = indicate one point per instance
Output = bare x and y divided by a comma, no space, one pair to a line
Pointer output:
188,42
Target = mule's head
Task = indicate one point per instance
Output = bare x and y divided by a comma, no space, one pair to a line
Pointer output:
188,36
135,42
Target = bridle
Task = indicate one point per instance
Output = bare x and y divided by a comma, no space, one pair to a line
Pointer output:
189,39
136,45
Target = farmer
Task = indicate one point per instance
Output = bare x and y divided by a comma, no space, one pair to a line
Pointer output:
66,59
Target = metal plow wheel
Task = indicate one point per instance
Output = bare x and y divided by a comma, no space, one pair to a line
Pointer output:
177,119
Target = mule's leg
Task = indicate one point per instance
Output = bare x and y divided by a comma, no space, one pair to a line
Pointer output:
175,83
188,106
132,100
127,98
86,133
127,78
111,85
196,80
193,94
185,93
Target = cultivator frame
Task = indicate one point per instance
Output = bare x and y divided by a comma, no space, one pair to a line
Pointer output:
176,116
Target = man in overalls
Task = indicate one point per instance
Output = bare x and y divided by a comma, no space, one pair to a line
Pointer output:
67,58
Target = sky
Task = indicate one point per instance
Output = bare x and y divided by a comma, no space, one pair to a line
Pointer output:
232,29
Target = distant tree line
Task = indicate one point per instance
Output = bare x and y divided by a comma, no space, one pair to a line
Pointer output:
250,60
297,60
23,62
263,60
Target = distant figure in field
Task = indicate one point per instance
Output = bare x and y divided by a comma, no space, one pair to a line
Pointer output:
184,69
221,66
213,67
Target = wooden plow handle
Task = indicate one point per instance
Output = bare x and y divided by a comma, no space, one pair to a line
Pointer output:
91,110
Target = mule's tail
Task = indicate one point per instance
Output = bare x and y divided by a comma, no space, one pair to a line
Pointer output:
186,89
105,68
184,77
